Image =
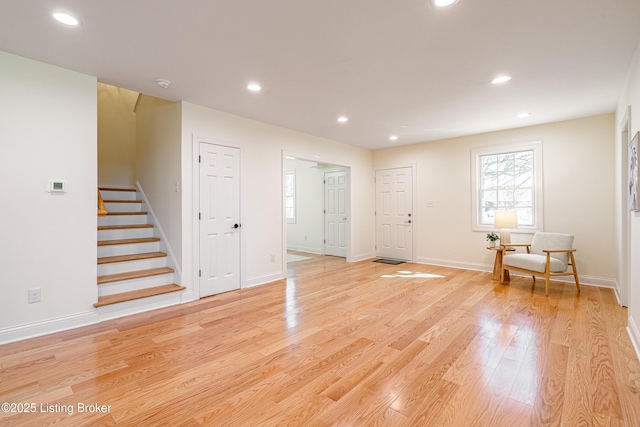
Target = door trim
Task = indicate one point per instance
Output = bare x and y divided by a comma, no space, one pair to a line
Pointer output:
623,285
320,159
195,203
414,206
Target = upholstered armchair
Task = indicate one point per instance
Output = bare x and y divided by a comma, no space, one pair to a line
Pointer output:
548,255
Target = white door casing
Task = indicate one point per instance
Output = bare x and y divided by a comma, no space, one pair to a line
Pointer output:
219,219
394,220
335,213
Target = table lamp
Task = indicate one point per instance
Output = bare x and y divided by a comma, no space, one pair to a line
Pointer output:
505,220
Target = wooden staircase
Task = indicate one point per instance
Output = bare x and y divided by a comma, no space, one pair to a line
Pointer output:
130,264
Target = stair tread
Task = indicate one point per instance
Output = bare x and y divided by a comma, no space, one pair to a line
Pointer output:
132,257
126,213
124,227
128,241
109,278
116,189
122,201
133,295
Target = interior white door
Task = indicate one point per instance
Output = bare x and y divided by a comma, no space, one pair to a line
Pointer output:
219,219
394,220
335,213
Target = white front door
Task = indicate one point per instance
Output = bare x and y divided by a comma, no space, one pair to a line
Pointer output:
335,213
219,219
394,220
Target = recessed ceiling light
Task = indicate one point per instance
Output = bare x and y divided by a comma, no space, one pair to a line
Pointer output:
524,114
163,83
254,87
443,3
500,79
393,137
343,119
66,19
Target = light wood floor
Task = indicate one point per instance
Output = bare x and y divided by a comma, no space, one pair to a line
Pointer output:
343,344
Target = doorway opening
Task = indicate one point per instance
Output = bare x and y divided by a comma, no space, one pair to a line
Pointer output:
316,198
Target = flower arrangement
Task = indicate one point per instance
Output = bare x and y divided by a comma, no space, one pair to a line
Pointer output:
492,237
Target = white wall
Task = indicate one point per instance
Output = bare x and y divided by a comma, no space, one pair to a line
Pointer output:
262,147
628,249
116,136
578,157
306,233
158,165
47,131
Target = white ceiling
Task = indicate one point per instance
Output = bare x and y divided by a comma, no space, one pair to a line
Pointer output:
393,67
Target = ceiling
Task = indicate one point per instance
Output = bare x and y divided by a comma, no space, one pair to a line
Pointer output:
398,67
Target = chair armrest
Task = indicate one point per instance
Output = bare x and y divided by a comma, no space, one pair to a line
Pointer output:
512,246
558,250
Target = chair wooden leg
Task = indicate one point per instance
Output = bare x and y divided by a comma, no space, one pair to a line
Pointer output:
546,280
575,270
504,275
547,271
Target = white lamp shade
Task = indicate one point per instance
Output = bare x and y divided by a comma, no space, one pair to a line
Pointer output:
505,219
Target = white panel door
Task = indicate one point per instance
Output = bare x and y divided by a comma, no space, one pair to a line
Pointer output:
335,213
394,220
219,219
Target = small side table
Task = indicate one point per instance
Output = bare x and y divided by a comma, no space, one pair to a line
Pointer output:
497,264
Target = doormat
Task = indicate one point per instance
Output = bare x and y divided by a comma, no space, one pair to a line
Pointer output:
388,261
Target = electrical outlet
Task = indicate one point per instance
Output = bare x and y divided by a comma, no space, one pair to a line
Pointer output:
34,295
273,258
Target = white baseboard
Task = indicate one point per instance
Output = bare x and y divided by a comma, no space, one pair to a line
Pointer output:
634,334
362,257
455,264
618,292
310,250
188,296
261,280
601,282
50,326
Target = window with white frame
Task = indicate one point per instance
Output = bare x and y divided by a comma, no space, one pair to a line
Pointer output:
507,177
290,197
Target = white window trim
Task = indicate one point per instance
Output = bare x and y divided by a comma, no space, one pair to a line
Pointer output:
538,207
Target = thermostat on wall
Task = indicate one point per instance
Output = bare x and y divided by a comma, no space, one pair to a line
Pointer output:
57,186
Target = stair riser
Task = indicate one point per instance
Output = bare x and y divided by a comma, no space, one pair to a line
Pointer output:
123,207
128,249
128,233
124,267
134,284
122,219
138,306
118,195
